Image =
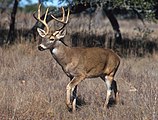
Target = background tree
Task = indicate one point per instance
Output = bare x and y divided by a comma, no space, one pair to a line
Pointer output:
147,9
4,5
138,7
11,33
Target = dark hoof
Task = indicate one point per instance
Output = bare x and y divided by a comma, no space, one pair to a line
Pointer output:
69,107
106,107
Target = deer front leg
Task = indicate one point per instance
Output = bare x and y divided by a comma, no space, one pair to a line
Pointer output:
72,87
74,98
74,94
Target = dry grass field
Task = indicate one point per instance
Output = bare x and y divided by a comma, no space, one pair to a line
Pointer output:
33,87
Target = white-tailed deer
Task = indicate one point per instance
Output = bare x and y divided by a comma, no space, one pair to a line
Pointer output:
79,63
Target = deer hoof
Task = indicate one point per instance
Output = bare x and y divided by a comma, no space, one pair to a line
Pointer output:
69,107
106,106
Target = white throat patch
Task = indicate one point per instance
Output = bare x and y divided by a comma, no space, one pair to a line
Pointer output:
55,51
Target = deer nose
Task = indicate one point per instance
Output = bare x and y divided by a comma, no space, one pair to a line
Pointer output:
40,48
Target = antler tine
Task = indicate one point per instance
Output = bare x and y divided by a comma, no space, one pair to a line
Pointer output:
38,18
63,14
68,14
46,15
63,18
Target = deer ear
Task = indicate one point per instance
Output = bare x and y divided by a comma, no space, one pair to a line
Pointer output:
61,34
41,32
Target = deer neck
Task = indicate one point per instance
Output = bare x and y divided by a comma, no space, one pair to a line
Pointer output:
60,52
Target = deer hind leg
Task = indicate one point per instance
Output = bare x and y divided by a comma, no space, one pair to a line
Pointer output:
108,81
111,86
72,88
116,93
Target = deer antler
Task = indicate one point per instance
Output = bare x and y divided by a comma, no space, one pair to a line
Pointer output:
63,21
44,20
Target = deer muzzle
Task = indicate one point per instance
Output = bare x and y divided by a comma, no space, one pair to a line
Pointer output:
41,47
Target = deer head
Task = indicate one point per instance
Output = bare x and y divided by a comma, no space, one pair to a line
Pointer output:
49,38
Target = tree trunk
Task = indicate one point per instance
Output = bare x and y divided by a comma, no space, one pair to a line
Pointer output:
115,25
11,33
